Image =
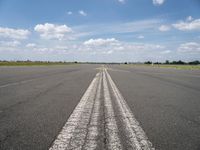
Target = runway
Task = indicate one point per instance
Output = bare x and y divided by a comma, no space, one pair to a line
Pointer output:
99,107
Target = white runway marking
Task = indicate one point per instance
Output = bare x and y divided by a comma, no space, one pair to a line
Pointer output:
81,131
78,117
110,122
92,135
135,134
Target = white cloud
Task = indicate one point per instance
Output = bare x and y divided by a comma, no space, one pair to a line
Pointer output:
117,28
190,47
140,37
106,52
134,26
110,52
100,49
142,47
188,25
82,13
120,45
69,13
10,43
18,34
113,46
189,18
52,31
158,2
31,45
101,42
121,1
164,28
165,52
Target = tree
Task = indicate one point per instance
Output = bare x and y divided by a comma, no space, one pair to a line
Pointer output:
167,62
180,62
148,62
196,62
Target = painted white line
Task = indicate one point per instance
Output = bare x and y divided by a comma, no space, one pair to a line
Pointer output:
81,131
111,129
134,133
76,126
94,125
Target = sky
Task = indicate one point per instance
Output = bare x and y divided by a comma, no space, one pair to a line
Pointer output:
100,30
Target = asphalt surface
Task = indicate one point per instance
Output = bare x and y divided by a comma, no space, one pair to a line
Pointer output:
33,113
166,102
36,102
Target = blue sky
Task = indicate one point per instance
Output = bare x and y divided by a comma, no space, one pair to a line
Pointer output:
100,30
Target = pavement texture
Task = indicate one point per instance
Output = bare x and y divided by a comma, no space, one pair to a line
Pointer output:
36,102
166,102
33,113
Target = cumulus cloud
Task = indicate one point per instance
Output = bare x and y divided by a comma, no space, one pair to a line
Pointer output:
69,13
188,25
190,47
101,42
10,43
31,45
165,52
120,45
158,2
142,47
104,49
164,28
140,37
18,34
113,46
189,18
82,13
52,31
121,1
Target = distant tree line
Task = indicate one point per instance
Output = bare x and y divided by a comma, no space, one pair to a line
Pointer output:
180,62
30,61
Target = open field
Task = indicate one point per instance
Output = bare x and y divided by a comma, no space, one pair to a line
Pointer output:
39,63
27,63
184,67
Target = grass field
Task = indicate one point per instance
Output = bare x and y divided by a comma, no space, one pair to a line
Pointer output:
30,63
186,67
